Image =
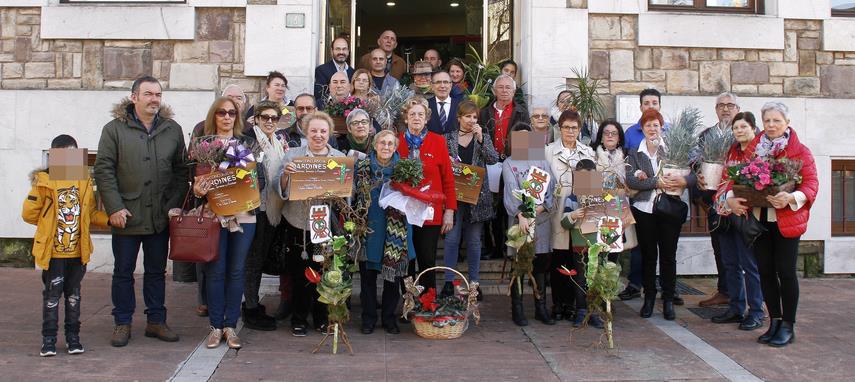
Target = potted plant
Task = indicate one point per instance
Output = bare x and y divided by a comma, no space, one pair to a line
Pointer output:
441,317
340,109
385,108
762,177
586,99
714,147
677,143
480,74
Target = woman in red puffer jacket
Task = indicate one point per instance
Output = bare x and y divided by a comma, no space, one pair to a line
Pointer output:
777,249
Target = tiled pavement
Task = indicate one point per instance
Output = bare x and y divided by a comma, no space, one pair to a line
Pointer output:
494,351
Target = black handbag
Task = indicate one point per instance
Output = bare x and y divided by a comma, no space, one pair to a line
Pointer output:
748,226
670,208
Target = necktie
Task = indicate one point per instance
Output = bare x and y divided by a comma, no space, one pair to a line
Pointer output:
442,116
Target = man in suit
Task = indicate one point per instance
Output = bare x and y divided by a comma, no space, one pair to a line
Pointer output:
394,64
380,80
323,73
443,108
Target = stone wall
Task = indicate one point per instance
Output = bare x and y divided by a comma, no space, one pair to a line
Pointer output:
211,61
801,69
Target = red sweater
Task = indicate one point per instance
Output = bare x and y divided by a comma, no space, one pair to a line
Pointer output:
437,170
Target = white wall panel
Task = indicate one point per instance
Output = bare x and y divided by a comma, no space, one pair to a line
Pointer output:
176,22
710,30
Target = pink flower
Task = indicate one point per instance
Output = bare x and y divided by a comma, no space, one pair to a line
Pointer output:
758,186
346,113
765,179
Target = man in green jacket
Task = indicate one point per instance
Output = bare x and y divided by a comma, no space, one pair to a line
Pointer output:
141,173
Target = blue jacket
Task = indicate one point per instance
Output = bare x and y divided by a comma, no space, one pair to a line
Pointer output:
323,73
633,136
450,123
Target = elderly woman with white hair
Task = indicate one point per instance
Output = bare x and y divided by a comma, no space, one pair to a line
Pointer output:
358,137
777,248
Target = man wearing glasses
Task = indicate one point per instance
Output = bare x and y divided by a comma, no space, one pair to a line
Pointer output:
443,108
540,123
304,105
340,52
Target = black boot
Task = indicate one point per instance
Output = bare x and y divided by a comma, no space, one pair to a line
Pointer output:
668,310
557,312
257,319
774,325
647,308
541,313
517,313
784,336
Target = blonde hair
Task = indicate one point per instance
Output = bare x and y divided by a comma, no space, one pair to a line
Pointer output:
413,101
211,119
304,124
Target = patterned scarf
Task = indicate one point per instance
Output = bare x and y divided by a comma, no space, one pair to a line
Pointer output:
414,142
611,163
771,147
363,147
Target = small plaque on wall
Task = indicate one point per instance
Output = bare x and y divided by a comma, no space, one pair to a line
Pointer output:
295,20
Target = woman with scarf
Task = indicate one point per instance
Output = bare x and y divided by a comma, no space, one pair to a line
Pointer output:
385,250
358,137
777,249
270,140
429,148
225,276
304,295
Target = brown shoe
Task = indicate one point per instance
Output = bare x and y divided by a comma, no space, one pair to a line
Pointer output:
214,338
231,338
716,299
161,332
202,311
121,335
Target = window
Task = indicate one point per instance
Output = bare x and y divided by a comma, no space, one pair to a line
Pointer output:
697,224
843,197
843,7
725,6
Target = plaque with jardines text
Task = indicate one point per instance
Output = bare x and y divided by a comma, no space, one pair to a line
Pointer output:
321,176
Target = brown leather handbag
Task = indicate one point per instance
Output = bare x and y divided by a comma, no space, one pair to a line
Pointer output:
194,239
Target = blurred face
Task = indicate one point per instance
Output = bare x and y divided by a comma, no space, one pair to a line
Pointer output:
361,83
432,56
540,118
650,102
388,41
385,147
725,109
569,131
774,124
235,94
267,121
504,90
742,131
510,69
225,118
610,137
378,62
467,122
652,130
339,87
359,127
304,106
456,73
147,98
276,90
441,85
318,134
416,118
340,50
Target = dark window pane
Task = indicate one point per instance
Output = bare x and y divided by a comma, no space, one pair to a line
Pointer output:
836,196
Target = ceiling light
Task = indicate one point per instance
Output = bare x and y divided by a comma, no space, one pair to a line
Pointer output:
390,4
454,4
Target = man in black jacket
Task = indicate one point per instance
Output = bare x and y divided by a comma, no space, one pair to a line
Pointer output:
323,73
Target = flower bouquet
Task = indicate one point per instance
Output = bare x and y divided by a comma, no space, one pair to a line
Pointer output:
441,317
481,75
230,167
402,192
714,150
339,110
678,142
762,177
335,286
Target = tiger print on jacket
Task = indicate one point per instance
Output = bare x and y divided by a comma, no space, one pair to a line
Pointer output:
68,220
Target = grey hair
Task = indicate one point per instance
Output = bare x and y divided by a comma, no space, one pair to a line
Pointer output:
229,86
354,113
505,76
727,94
775,106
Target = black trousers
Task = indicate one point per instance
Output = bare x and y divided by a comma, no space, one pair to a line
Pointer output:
495,230
578,261
776,261
563,292
63,277
304,295
368,297
265,235
721,285
425,241
657,239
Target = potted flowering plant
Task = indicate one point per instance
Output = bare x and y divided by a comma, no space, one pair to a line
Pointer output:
441,317
677,143
340,109
714,149
760,177
481,75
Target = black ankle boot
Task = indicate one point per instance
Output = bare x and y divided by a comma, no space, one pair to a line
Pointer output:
257,319
557,312
784,336
541,313
668,310
774,325
517,313
647,308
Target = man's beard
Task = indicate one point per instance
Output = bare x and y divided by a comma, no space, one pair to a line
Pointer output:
335,58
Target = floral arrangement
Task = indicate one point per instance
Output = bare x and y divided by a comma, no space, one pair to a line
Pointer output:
442,311
762,173
335,286
481,75
522,242
408,171
387,107
213,151
336,108
681,138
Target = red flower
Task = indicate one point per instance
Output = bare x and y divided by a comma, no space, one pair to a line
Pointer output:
567,272
428,300
312,275
455,283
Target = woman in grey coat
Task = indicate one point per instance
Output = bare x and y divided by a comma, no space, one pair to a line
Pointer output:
467,145
514,173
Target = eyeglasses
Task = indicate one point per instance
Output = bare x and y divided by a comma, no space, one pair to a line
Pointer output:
728,106
223,113
571,128
539,116
361,122
610,133
442,82
268,118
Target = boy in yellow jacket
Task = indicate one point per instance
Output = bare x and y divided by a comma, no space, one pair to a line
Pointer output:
62,211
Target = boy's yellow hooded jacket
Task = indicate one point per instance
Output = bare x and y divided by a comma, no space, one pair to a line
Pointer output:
42,208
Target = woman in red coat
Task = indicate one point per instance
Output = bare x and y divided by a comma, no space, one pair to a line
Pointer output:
777,249
429,148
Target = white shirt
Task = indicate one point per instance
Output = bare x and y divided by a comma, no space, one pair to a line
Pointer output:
343,68
647,205
446,107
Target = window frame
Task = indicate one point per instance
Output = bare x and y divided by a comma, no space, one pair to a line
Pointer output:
755,7
696,226
843,12
841,228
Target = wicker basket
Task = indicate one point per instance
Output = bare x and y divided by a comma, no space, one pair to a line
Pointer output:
757,198
425,328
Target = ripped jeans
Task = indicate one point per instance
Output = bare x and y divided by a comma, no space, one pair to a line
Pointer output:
63,277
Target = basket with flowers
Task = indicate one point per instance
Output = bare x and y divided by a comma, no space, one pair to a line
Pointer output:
762,177
340,109
441,317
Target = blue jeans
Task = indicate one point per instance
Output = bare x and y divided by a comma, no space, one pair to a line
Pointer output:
472,233
635,268
736,258
225,277
125,250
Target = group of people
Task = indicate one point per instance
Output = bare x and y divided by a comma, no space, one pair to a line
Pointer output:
142,171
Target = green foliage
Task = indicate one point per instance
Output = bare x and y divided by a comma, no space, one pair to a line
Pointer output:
585,97
408,171
681,138
716,144
480,74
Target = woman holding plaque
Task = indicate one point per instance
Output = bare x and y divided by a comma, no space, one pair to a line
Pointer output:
430,149
357,141
468,146
225,276
317,128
